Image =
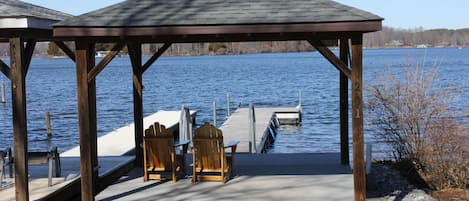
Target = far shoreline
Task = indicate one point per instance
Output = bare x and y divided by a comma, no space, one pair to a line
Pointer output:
332,48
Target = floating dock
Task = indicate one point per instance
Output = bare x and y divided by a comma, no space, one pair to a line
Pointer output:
237,126
122,140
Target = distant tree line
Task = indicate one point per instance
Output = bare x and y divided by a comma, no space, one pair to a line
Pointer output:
388,37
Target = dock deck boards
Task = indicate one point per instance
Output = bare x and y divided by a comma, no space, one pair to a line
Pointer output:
236,127
266,177
38,186
122,140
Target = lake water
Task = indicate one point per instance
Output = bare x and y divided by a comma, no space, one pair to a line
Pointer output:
267,80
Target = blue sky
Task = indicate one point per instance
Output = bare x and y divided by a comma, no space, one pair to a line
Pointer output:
429,14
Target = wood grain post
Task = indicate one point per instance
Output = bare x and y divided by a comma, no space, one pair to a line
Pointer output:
4,100
344,133
86,119
20,138
135,53
359,176
48,125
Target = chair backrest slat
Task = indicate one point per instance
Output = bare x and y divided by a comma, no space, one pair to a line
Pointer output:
208,141
159,143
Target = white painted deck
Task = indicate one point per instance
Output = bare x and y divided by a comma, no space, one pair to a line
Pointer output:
38,187
260,177
236,127
122,140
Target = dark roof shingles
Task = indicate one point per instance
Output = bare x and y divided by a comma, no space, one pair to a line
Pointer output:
15,8
142,13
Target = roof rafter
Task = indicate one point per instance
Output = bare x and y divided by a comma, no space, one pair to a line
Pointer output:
330,56
66,50
155,56
5,69
106,60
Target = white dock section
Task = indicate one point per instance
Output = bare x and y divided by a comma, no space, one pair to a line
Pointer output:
236,127
122,140
70,171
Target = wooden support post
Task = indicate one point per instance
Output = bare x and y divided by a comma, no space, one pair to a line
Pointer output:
93,113
228,102
214,106
48,126
135,53
4,100
20,138
86,119
344,142
359,176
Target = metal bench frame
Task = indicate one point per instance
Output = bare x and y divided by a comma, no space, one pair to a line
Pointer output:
3,156
37,158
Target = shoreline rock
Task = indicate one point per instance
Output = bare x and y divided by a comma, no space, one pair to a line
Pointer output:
385,183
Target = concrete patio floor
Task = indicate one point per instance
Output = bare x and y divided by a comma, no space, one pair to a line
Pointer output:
270,177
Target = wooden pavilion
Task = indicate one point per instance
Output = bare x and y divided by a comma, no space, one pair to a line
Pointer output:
135,22
22,25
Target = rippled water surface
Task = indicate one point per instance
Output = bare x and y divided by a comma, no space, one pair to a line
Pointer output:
267,80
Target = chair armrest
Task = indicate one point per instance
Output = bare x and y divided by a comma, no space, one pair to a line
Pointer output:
184,144
231,144
181,143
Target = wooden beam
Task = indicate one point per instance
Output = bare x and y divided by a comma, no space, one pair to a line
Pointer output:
28,54
156,56
330,56
359,176
364,26
66,49
344,142
5,69
106,60
135,53
20,130
86,128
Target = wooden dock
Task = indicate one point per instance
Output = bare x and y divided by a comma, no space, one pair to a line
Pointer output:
236,127
122,141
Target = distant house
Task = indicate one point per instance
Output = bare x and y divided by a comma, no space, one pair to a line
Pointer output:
421,46
395,43
101,53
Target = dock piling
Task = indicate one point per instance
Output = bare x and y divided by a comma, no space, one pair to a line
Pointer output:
369,149
228,113
48,126
299,99
252,129
3,93
214,105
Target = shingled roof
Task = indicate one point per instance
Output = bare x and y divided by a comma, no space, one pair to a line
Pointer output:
15,9
18,14
150,13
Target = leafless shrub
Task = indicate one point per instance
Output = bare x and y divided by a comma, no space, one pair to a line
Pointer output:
411,115
402,111
445,162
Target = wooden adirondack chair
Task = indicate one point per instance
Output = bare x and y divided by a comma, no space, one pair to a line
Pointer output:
159,150
208,154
